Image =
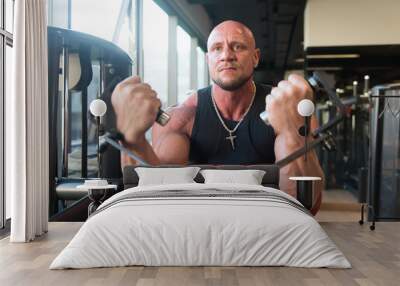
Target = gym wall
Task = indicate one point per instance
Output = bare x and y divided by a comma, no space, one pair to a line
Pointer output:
351,23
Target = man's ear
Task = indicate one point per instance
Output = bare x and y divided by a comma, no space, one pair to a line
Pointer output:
207,58
256,57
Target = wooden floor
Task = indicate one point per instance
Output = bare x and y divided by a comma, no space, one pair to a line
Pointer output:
374,255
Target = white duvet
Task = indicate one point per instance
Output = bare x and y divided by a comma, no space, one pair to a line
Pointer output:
200,231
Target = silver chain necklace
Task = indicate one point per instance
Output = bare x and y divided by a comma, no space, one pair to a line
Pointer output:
231,137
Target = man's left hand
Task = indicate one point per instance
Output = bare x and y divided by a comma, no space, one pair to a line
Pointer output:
281,105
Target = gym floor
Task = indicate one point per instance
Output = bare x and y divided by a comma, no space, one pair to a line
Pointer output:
374,255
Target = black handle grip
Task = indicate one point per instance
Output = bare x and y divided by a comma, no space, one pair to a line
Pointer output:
162,117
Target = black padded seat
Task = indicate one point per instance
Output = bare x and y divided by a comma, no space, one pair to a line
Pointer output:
68,191
270,179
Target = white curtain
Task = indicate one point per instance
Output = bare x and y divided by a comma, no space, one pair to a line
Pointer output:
27,123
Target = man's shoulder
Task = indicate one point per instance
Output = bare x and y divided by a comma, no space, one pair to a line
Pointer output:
190,102
186,108
182,115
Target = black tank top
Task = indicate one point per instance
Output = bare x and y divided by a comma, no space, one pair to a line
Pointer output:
254,142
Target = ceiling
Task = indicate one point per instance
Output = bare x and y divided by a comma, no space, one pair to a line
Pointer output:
278,28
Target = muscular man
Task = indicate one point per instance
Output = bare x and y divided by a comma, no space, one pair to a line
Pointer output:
220,124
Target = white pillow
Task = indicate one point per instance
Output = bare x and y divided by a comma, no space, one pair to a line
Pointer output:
248,177
163,176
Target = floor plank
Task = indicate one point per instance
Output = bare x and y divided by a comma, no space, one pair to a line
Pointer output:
375,257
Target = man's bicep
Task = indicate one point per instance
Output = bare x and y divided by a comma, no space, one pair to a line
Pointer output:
171,147
171,142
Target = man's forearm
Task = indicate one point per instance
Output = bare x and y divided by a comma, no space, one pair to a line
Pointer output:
299,167
143,150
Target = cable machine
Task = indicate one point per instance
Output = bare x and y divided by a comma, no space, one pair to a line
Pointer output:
81,68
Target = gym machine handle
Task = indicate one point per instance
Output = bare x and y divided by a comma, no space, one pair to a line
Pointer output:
162,117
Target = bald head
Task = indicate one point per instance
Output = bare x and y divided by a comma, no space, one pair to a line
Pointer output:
231,27
231,55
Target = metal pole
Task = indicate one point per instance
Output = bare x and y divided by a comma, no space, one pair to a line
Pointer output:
2,101
98,147
69,14
66,112
138,63
127,151
123,10
366,85
84,133
301,151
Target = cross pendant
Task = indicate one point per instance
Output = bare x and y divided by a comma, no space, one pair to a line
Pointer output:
231,138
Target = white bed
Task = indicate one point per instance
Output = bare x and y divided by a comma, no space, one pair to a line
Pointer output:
267,229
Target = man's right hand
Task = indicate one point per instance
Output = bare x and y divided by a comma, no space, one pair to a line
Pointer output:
136,106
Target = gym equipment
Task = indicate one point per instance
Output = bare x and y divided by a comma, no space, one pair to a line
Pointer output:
305,107
304,188
383,197
81,68
319,83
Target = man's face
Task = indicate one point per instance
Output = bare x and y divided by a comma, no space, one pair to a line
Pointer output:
231,56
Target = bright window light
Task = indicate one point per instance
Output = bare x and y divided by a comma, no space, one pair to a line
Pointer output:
155,49
183,46
201,68
95,17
